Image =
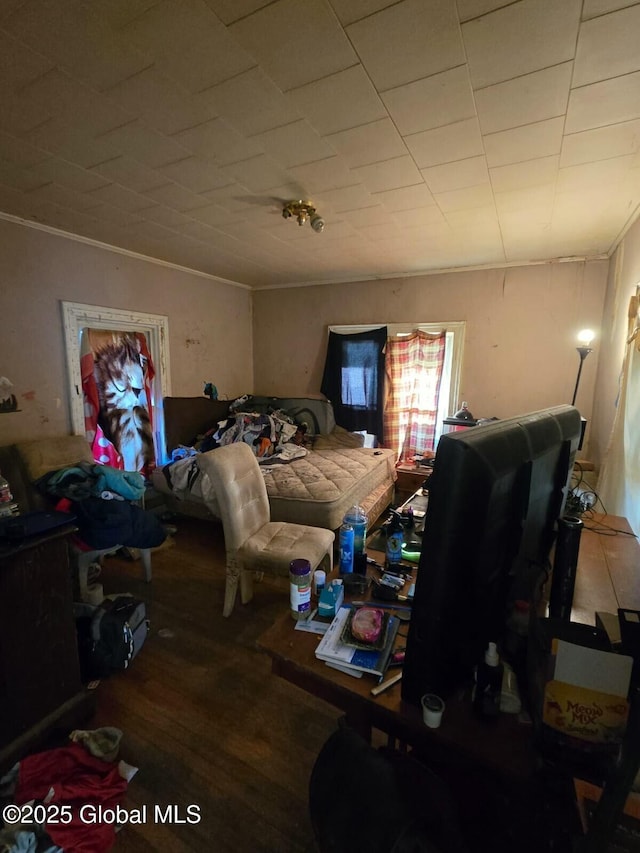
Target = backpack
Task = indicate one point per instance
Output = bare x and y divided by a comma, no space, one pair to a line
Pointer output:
110,635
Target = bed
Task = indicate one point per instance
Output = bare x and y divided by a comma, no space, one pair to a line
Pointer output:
317,488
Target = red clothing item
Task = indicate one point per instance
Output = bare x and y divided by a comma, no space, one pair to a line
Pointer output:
77,779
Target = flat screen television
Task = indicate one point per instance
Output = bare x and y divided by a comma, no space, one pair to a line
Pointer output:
495,496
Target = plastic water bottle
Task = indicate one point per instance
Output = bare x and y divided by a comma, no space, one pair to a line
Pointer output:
359,520
7,505
347,538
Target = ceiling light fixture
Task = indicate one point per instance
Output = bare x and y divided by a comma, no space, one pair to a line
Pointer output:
303,211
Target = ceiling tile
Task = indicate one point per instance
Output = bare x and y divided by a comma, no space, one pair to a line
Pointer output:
19,178
344,198
232,10
67,175
211,214
295,42
217,141
593,8
252,103
524,143
601,143
161,103
69,142
496,50
176,197
468,9
119,13
538,200
16,150
123,170
120,197
446,144
74,37
455,176
18,116
142,143
116,215
399,172
323,175
527,99
428,32
349,11
368,143
340,101
607,102
59,95
168,217
195,174
406,198
19,65
368,216
294,144
431,102
188,42
608,46
426,216
520,175
468,197
602,172
256,174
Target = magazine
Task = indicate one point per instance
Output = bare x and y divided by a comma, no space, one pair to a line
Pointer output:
338,654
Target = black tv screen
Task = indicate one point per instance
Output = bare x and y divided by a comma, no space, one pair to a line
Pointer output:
495,496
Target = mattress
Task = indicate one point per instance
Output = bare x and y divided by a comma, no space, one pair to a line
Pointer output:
316,489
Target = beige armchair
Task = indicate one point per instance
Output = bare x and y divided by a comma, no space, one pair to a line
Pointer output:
253,542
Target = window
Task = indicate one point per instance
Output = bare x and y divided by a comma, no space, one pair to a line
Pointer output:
360,380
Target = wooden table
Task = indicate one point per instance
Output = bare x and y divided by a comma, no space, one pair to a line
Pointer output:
607,578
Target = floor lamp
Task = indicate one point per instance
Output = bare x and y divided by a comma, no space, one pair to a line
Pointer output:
584,339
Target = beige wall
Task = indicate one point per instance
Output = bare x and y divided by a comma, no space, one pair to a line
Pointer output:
519,354
209,322
521,332
624,276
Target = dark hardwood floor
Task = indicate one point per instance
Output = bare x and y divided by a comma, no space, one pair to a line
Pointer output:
203,718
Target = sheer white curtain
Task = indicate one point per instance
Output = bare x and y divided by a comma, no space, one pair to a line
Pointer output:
619,483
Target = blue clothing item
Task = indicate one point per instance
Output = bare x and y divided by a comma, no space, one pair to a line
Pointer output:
129,484
88,479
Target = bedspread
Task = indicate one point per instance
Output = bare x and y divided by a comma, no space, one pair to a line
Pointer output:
317,489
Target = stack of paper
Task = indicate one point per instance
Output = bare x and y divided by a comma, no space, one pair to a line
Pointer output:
355,661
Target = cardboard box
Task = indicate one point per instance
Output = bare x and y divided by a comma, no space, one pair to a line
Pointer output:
586,696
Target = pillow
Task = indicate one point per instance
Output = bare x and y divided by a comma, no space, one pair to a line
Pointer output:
50,454
339,437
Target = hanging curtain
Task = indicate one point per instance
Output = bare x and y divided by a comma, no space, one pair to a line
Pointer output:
619,483
353,379
117,375
414,371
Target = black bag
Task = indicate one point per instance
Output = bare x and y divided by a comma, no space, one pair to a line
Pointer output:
110,635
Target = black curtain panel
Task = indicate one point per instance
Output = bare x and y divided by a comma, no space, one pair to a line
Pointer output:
353,379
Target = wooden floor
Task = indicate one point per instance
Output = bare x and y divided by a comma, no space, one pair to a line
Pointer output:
203,718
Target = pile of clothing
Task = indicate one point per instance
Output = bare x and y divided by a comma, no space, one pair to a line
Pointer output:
102,499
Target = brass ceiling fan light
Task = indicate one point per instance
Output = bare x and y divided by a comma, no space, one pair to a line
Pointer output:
303,211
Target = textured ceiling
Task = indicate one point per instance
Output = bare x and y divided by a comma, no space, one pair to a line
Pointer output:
428,133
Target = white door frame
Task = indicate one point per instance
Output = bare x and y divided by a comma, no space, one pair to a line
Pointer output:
77,316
